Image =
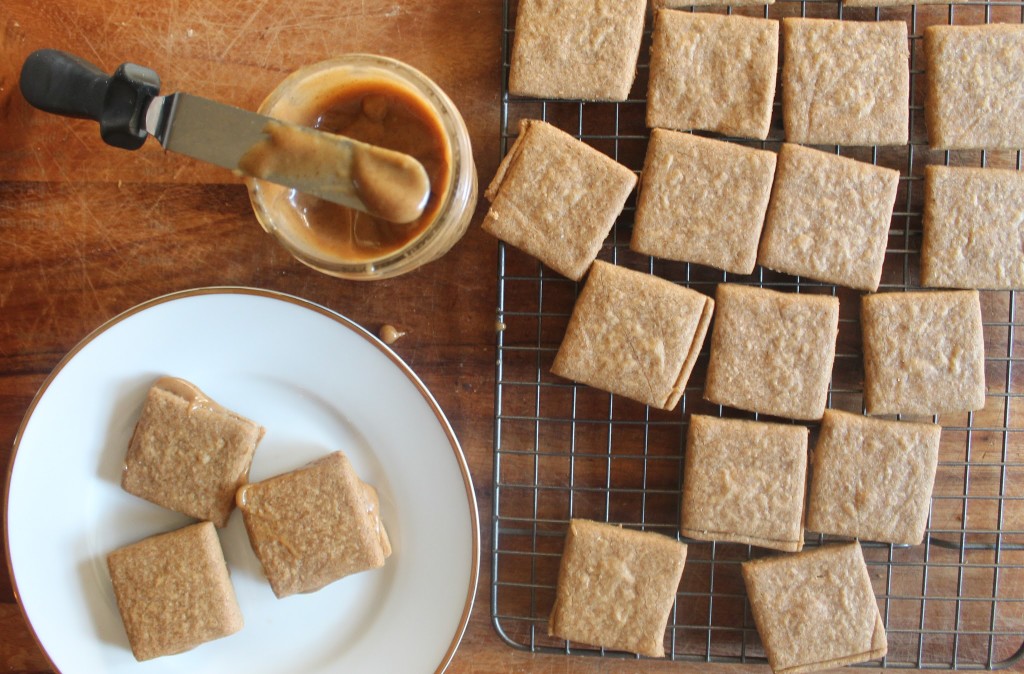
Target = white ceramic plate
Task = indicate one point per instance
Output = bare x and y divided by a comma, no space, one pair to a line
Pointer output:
318,383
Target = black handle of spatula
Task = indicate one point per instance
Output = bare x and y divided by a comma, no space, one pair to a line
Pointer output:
64,84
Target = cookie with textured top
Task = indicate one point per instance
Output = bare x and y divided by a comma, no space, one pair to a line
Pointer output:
972,228
873,478
682,4
899,3
616,587
314,525
845,82
725,189
713,72
924,352
634,334
975,93
556,198
174,592
815,609
188,453
772,352
744,482
577,49
815,228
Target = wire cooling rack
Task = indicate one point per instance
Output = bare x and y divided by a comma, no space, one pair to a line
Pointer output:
564,450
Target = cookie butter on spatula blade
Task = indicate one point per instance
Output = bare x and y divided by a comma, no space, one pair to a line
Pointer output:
387,184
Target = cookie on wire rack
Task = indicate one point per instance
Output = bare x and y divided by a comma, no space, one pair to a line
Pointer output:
924,352
744,482
975,93
634,334
772,352
845,82
873,478
576,49
737,58
556,198
815,609
972,228
725,189
616,587
828,218
683,4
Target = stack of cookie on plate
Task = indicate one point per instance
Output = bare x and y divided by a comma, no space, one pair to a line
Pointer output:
799,211
307,527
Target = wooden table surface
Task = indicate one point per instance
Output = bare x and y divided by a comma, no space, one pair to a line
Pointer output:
90,231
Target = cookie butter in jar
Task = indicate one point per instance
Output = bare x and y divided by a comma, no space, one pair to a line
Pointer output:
387,103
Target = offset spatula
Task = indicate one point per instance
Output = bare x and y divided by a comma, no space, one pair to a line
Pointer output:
129,107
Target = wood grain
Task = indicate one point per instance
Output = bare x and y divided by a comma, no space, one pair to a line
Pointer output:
90,231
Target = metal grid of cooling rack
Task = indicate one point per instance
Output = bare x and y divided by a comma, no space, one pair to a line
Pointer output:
564,450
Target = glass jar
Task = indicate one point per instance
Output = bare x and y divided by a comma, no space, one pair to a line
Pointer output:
341,242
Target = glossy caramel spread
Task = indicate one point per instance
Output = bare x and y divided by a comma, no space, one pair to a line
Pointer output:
391,185
389,116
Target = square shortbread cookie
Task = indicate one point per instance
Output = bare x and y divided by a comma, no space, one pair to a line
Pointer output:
314,525
975,93
924,352
815,609
681,4
173,591
972,228
189,454
845,82
872,479
702,200
713,72
772,352
899,3
634,335
579,49
816,227
744,482
556,198
616,587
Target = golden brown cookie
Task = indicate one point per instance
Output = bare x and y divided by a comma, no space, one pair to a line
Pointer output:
188,453
174,592
634,334
772,352
845,82
556,198
924,352
815,609
616,587
314,525
975,93
744,482
579,49
736,58
682,4
872,478
702,200
972,228
816,228
899,3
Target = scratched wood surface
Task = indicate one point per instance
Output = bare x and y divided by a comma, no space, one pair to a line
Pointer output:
89,231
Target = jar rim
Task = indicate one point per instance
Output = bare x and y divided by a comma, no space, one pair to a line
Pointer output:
460,190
